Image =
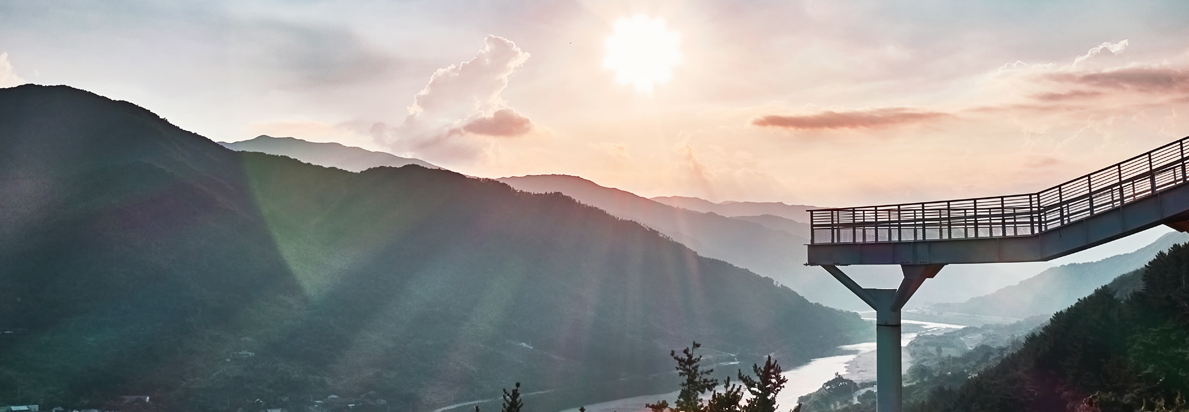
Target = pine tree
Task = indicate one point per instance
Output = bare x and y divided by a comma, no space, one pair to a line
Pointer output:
512,402
726,401
764,387
695,382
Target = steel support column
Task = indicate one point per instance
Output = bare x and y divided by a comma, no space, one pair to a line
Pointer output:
889,385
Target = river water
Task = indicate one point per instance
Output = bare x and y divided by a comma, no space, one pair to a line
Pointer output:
802,380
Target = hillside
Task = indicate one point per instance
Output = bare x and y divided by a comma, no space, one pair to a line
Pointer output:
334,155
1101,354
772,253
140,259
1057,288
737,239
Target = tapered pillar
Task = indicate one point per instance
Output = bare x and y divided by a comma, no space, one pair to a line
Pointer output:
889,381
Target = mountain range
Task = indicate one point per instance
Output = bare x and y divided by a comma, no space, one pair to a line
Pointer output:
334,155
765,238
137,258
798,213
1057,288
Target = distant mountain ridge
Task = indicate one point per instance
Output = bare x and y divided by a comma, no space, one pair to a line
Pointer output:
352,159
1062,286
139,258
735,208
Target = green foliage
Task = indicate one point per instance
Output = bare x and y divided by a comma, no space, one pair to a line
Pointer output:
1102,354
835,394
512,401
764,387
729,400
696,382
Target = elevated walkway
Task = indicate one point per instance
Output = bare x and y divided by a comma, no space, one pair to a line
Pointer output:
1122,199
1117,201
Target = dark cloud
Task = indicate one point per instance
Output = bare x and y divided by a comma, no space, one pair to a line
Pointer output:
1140,78
503,123
859,119
1070,95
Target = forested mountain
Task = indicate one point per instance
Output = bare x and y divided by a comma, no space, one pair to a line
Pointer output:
348,158
1057,288
773,253
1102,354
140,259
768,244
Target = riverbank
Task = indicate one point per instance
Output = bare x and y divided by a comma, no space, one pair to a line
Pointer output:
861,368
857,363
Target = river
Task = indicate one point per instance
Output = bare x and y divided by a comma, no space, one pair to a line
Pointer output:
802,380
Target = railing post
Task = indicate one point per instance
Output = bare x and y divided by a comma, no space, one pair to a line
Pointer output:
1090,192
975,208
899,225
812,229
1181,143
1119,171
1002,216
1034,213
835,234
1060,206
1151,174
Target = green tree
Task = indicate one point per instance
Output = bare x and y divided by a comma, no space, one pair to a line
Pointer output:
695,382
764,387
728,400
512,402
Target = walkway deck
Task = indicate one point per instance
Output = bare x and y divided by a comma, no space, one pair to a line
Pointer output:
1117,201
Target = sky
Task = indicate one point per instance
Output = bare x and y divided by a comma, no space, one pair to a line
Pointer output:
829,103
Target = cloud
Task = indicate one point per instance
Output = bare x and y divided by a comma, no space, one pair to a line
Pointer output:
504,122
858,119
1070,95
1150,79
8,76
460,104
1113,48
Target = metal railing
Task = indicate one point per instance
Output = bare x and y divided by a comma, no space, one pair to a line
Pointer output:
1006,216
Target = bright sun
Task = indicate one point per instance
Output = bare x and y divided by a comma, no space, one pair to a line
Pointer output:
642,52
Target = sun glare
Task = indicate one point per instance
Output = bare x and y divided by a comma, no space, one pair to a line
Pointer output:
642,52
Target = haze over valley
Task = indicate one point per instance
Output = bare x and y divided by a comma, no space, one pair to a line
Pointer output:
594,206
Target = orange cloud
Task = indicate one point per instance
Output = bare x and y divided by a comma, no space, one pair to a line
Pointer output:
504,122
1070,95
858,119
1150,79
